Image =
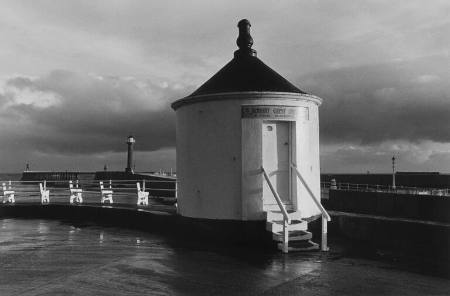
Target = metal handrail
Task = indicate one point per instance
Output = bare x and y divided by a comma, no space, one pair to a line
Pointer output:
314,198
387,188
277,197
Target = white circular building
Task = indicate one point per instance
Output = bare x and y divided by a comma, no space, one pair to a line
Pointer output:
245,120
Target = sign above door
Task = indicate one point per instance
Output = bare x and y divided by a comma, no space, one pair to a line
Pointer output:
274,112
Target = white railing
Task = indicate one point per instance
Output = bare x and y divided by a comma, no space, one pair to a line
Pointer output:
325,216
385,188
286,218
124,190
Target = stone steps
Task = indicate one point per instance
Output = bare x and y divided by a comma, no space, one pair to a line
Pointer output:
299,238
296,235
278,215
300,246
277,226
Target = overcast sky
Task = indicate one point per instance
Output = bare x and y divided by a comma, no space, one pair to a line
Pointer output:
76,77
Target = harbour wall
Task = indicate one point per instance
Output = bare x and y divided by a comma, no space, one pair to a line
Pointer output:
55,176
413,227
412,242
388,204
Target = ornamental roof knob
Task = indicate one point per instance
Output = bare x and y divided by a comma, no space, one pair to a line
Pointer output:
244,40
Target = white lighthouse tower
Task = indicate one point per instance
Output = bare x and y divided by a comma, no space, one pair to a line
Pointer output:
130,143
248,150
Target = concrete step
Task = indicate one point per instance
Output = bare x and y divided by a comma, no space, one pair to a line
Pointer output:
296,235
299,246
277,225
275,207
278,215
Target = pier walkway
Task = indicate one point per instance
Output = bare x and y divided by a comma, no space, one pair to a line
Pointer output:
48,257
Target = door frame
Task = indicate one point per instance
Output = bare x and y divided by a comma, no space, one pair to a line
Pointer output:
292,157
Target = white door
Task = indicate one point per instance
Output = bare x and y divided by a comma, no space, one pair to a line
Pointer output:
276,158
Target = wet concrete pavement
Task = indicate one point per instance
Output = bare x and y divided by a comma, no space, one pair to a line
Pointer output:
44,257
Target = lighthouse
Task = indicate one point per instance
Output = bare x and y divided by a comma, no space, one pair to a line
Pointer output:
248,149
130,143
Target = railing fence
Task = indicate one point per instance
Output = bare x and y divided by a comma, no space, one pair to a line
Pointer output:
125,191
385,188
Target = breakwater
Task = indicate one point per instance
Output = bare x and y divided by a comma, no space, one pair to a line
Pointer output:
390,204
55,175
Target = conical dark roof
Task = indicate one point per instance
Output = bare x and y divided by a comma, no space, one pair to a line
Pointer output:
246,73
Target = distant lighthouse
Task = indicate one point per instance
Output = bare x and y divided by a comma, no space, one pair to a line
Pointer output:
130,143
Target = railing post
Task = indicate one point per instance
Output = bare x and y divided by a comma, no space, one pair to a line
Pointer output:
285,237
324,245
325,216
176,196
176,189
333,184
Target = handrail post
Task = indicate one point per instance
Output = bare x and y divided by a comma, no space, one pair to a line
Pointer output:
176,189
324,244
176,197
285,237
314,198
325,216
286,218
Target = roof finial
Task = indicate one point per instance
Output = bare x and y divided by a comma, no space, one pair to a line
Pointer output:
245,40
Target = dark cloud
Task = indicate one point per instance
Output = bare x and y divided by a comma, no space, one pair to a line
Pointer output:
381,88
71,113
403,100
376,158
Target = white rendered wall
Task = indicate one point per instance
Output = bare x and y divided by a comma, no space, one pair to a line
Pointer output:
308,161
209,160
219,157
